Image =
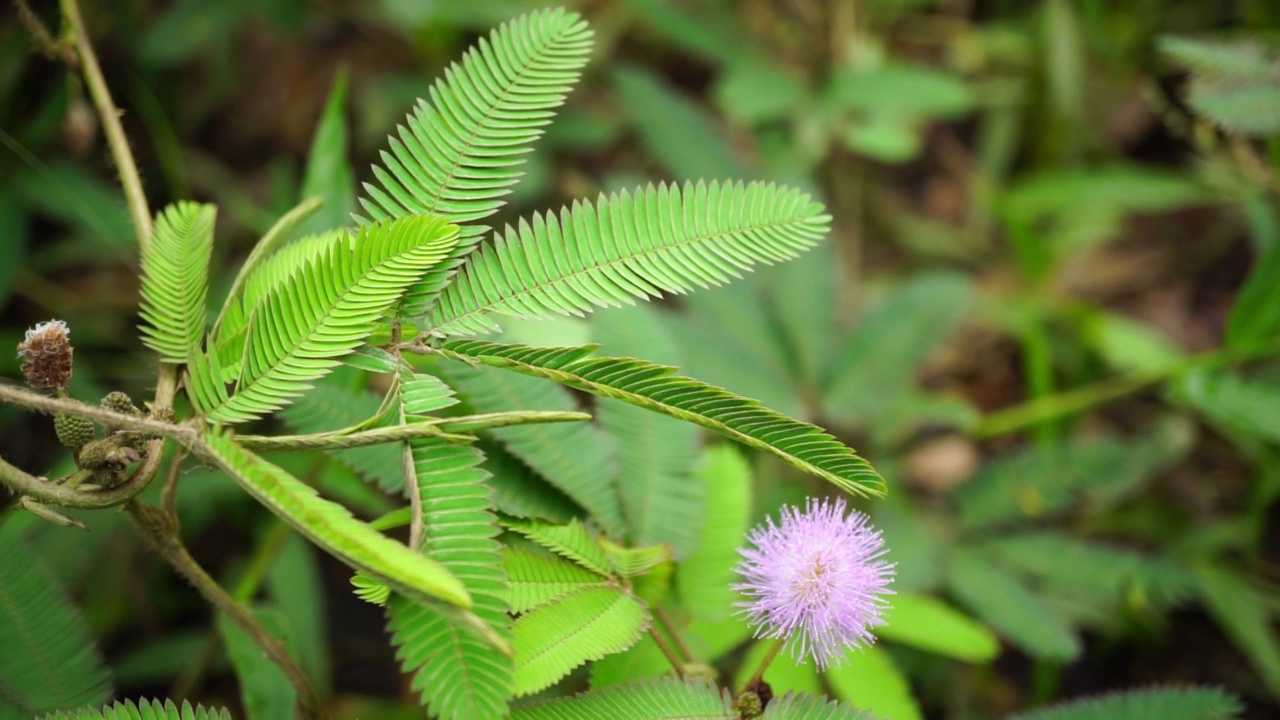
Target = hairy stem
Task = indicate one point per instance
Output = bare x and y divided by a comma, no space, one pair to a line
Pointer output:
45,43
109,115
443,428
43,491
160,532
184,434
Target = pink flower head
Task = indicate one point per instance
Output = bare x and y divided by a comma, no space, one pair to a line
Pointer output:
817,579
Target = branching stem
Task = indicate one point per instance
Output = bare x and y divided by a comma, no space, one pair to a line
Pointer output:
109,115
666,649
443,428
160,532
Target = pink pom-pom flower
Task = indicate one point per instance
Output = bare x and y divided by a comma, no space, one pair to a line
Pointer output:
817,580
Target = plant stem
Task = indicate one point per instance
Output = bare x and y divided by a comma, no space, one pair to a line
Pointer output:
764,663
160,532
184,434
48,493
48,47
670,626
169,493
109,114
443,428
666,649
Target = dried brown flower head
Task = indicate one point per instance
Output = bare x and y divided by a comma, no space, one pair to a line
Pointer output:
46,356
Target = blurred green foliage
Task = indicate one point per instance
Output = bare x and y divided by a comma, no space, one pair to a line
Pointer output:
1049,313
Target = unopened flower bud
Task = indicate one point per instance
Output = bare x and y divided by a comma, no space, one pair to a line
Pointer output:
73,432
46,356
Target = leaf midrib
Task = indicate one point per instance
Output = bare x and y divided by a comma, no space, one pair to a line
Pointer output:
506,299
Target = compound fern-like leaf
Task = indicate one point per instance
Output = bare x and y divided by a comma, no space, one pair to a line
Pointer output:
145,710
536,579
330,526
48,659
571,541
806,706
658,388
459,154
625,248
457,673
553,639
1158,703
175,282
656,699
302,327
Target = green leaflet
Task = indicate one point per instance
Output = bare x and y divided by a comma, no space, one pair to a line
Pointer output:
586,625
930,624
1245,612
643,660
704,578
48,658
264,688
812,707
458,155
1160,703
1106,573
870,680
631,562
328,174
628,247
576,458
658,388
330,526
145,710
571,541
175,283
536,579
661,496
279,233
1007,605
659,699
321,312
878,364
519,492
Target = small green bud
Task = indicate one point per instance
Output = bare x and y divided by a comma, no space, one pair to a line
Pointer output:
121,403
748,705
73,432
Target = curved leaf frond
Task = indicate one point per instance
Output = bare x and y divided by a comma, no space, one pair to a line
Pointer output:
805,706
536,578
277,234
458,155
330,526
553,639
658,388
656,699
458,674
175,282
627,247
145,710
321,312
48,659
571,541
1157,703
